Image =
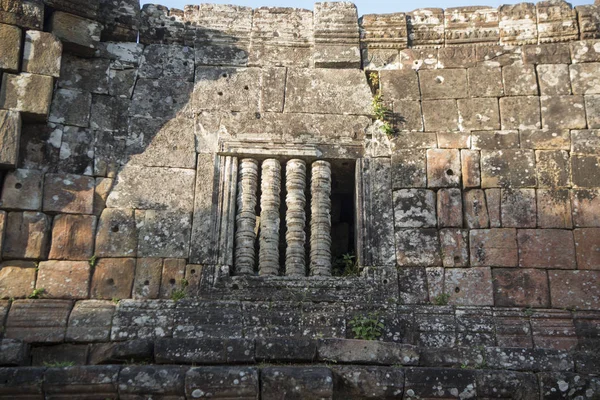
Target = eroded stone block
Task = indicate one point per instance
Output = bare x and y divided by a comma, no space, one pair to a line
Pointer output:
511,168
38,321
64,279
443,168
449,208
42,54
27,235
79,35
164,61
425,27
68,193
455,247
334,49
73,237
556,21
475,209
164,234
10,49
520,112
575,289
485,81
222,382
545,139
469,286
418,247
587,245
414,208
440,115
586,205
563,112
295,382
113,278
518,24
521,287
152,381
585,170
409,168
493,247
173,272
76,154
443,84
518,208
22,190
478,114
553,168
117,233
28,93
554,209
148,272
90,321
17,279
546,248
84,74
585,78
10,136
471,173
520,80
175,96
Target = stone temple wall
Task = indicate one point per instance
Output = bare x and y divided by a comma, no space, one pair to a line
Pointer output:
171,198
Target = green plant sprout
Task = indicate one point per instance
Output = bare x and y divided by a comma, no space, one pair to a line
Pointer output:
366,327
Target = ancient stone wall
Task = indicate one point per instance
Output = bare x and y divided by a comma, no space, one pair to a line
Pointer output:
186,198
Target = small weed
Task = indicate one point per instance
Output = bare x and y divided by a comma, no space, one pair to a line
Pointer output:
441,299
528,311
346,265
366,327
116,300
465,366
59,364
36,293
179,294
93,259
373,79
382,113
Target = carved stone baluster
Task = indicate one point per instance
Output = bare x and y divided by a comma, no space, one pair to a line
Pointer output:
245,235
320,224
268,256
295,218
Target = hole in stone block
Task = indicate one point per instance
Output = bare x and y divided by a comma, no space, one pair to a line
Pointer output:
235,287
385,281
146,283
185,64
457,289
246,87
220,93
224,75
110,281
193,271
456,259
172,281
449,172
115,228
18,186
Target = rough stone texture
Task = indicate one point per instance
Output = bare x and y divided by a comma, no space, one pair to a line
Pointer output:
64,279
89,75
476,114
443,168
584,78
152,381
170,62
10,135
418,247
79,35
471,173
336,35
511,168
27,235
90,321
553,168
13,352
521,287
518,207
296,383
469,286
449,208
440,115
28,93
546,248
348,382
148,272
71,107
73,237
585,203
494,247
42,54
521,112
554,209
475,209
22,190
164,234
575,289
10,50
38,321
520,80
545,139
17,279
409,168
562,112
493,199
429,383
414,208
68,193
366,352
113,278
117,233
588,252
222,382
455,247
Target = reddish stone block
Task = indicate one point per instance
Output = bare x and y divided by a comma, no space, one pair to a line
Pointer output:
2,230
554,329
117,233
435,281
148,272
476,213
418,247
173,272
38,321
586,207
512,328
455,247
587,246
521,287
553,168
22,190
518,208
69,194
64,279
546,248
493,247
493,197
575,289
17,279
101,192
193,276
73,237
113,278
454,140
469,286
554,209
471,174
449,208
443,167
27,235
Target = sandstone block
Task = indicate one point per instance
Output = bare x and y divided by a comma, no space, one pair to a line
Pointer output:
205,350
554,209
520,112
17,279
418,247
585,171
38,321
585,141
101,192
73,237
520,80
41,146
555,53
455,247
68,193
42,54
587,245
64,279
399,85
521,287
148,272
563,112
471,173
296,382
454,140
331,50
109,153
411,118
508,168
592,108
493,198
583,51
485,81
14,353
10,49
79,35
348,387
117,233
457,57
586,207
575,289
469,286
81,381
233,89
493,247
585,78
495,140
478,114
409,168
222,382
475,209
84,74
443,84
553,168
440,115
76,154
412,285
529,359
427,383
71,107
554,79
90,321
173,272
10,136
27,235
28,93
22,190
164,234
167,61
366,352
518,208
443,168
414,208
113,278
2,230
549,383
449,208
545,139
137,350
546,248
152,381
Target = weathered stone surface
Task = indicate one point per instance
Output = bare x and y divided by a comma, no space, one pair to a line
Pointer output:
148,272
454,140
585,141
553,168
554,79
113,278
40,147
222,382
480,113
109,149
22,190
443,167
554,329
528,359
153,188
381,35
336,36
10,49
117,233
546,248
418,247
24,382
508,168
455,247
471,173
42,54
475,209
79,35
440,115
366,352
425,27
457,57
73,237
85,74
13,353
399,85
519,385
521,112
71,107
206,351
38,321
584,78
167,382
164,234
17,279
68,193
545,139
494,247
76,154
485,81
518,208
90,321
552,13
575,289
432,383
547,54
102,189
2,230
554,209
412,284
585,204
175,97
64,279
495,140
443,84
587,246
409,168
563,112
296,383
554,384
521,287
130,351
449,208
164,61
214,319
585,170
286,349
356,382
311,91
28,93
27,235
520,80
414,208
161,25
173,273
72,354
78,381
414,140
469,286
10,136
518,24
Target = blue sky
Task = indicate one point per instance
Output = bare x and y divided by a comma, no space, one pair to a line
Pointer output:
364,6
